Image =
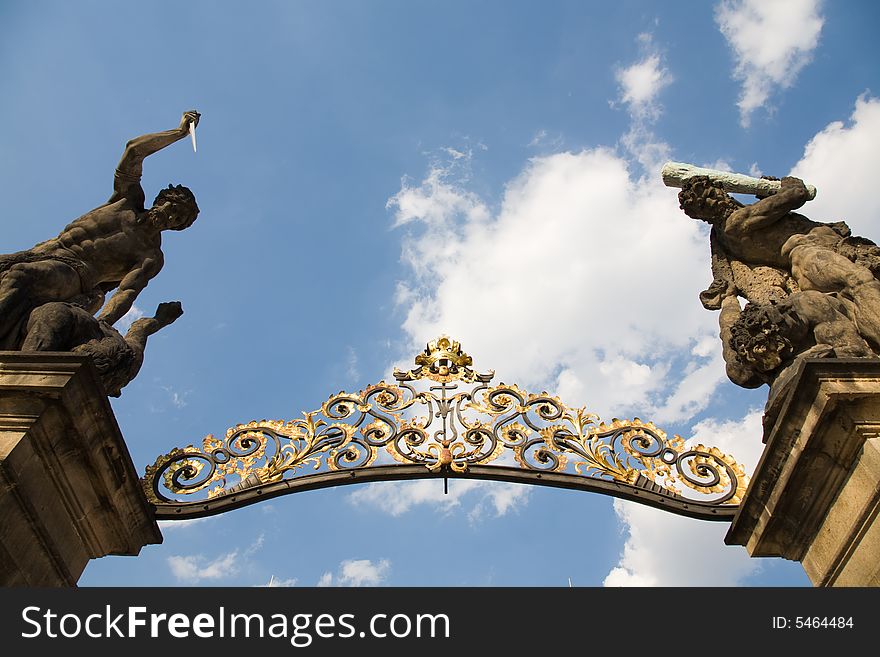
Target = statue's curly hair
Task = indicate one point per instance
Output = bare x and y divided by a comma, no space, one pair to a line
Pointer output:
767,326
701,198
115,360
183,200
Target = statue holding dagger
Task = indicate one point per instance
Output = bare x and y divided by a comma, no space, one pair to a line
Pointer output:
812,289
114,248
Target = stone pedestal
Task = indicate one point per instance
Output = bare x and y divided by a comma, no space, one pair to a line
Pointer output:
69,491
815,494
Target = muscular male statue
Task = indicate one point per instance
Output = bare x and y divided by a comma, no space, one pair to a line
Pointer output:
116,246
766,252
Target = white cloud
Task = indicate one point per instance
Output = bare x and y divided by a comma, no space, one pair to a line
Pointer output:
194,568
842,161
662,549
357,572
692,393
436,199
706,347
397,498
642,144
500,498
256,546
584,281
739,438
543,141
641,83
352,371
454,153
668,550
178,399
719,165
172,525
539,137
771,41
363,572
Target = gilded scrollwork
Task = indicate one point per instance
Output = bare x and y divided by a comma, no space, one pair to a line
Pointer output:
445,429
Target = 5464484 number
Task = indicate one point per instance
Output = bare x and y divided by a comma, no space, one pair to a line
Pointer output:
818,622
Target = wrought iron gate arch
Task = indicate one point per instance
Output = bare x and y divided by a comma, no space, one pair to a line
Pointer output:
482,431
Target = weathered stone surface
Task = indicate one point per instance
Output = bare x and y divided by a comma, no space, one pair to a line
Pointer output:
68,488
833,555
815,494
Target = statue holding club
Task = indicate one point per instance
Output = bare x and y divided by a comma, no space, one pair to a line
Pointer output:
812,289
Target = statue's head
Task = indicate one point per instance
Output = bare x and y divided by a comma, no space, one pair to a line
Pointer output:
700,198
174,208
762,336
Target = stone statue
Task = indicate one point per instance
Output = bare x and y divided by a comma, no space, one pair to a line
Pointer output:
762,343
115,247
812,288
59,326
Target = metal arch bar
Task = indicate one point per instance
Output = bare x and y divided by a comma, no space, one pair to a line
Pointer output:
248,496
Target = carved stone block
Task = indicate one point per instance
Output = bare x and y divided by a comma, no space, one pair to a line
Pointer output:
69,491
815,494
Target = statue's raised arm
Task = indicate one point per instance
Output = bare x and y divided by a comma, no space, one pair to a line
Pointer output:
748,219
127,179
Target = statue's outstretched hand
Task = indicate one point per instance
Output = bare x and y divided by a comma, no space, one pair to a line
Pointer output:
168,312
190,116
791,181
714,296
795,188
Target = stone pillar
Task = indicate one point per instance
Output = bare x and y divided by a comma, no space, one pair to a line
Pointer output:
815,494
69,491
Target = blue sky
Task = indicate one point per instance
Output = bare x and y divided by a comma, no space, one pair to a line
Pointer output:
373,174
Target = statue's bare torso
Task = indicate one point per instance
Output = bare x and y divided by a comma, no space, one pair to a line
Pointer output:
110,240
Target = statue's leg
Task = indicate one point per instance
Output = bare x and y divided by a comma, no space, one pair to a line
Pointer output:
59,326
50,327
27,285
819,268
